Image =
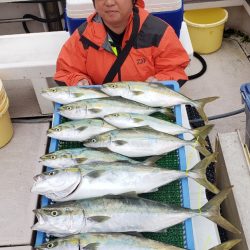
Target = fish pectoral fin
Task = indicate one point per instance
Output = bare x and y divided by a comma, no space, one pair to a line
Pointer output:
77,94
99,219
129,194
119,142
95,110
80,160
82,128
137,92
137,120
95,173
91,246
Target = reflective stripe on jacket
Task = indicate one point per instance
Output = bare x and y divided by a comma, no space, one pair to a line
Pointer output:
157,52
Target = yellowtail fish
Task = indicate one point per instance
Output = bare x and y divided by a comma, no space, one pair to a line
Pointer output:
98,108
114,242
66,95
154,95
122,214
76,156
141,142
113,178
79,130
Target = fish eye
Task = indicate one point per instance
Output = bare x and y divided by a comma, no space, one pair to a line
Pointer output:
53,90
69,108
113,86
116,115
58,129
52,173
54,213
52,157
50,245
93,140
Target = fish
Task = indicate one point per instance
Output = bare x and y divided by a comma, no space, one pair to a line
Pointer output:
117,178
132,120
105,242
66,95
79,130
116,241
154,95
141,142
123,214
99,107
65,158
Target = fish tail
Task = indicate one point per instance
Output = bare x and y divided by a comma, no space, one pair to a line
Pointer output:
199,105
168,112
198,173
226,245
211,211
202,132
201,148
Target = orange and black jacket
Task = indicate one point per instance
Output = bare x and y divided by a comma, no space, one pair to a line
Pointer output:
88,54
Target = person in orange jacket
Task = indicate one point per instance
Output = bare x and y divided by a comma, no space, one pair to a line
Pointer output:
121,41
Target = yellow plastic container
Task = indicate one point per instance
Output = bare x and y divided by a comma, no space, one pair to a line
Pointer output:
6,128
2,92
206,28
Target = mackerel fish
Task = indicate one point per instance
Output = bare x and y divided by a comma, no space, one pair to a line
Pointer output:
141,142
122,214
79,130
117,178
98,108
154,95
115,241
66,95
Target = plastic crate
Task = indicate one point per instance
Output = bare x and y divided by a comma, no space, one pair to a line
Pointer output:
177,192
245,93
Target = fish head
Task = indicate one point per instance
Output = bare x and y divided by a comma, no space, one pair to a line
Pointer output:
60,219
61,130
73,110
119,120
57,184
66,243
99,141
115,88
56,94
58,159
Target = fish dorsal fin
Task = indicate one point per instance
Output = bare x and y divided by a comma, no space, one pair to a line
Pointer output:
91,246
99,219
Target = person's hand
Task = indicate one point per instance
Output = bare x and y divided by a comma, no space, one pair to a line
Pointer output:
83,82
152,79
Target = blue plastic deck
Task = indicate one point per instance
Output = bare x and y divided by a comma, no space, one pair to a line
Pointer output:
40,236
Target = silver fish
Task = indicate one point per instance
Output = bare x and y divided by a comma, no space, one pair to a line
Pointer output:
154,95
117,178
132,120
79,130
66,95
98,108
114,242
122,214
105,242
71,157
140,142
